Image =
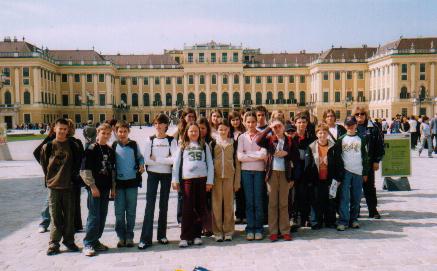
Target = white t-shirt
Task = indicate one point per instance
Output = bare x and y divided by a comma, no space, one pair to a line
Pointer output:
163,153
413,125
279,162
351,154
334,131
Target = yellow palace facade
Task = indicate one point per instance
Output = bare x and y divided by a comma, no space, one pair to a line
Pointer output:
40,85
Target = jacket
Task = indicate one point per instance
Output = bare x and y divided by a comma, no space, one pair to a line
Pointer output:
225,160
335,163
374,141
269,142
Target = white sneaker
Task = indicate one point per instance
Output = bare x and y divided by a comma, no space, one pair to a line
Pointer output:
250,236
341,227
259,236
197,241
355,225
42,229
89,251
183,243
218,238
228,237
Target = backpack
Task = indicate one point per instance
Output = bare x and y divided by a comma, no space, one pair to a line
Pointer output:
169,138
132,144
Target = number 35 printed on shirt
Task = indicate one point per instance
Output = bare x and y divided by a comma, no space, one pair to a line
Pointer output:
195,155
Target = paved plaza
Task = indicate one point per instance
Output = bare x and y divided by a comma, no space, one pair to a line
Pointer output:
404,239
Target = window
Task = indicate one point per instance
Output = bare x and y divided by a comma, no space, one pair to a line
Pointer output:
236,79
134,81
7,72
190,79
191,99
77,118
179,80
25,71
360,75
179,99
280,98
404,93
337,75
102,99
201,57
291,97
235,57
26,96
64,78
123,98
349,75
123,81
349,96
224,57
214,79
146,81
337,96
202,99
302,78
168,80
404,112
325,96
213,99
77,100
101,78
422,71
225,99
325,76
280,79
26,81
291,79
134,99
146,99
213,58
157,101
77,78
190,57
258,98
102,117
247,98
202,79
65,100
302,97
168,99
225,79
27,118
247,80
404,70
258,79
236,98
157,80
89,78
269,79
177,59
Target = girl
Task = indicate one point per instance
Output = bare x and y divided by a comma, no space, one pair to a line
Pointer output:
226,182
205,130
193,164
214,119
335,131
237,128
252,158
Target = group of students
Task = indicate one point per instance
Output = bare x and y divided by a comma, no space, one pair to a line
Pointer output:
275,171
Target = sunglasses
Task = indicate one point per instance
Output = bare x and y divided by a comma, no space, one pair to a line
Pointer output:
360,114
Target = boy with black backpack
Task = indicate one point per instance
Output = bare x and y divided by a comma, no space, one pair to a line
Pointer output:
129,165
158,156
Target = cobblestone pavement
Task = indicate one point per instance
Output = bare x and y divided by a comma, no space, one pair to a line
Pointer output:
404,239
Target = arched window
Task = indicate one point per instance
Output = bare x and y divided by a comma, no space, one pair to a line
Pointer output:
280,98
168,99
123,97
302,97
236,79
213,99
291,97
179,99
422,92
269,98
134,99
259,98
8,98
225,99
26,97
191,100
202,99
146,99
157,101
247,98
236,98
225,79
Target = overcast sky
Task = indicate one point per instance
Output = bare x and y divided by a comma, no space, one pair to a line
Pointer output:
145,26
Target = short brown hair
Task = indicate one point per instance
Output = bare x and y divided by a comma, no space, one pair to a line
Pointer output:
325,114
104,126
122,124
322,127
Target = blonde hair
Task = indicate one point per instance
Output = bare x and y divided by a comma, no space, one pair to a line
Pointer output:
322,127
360,108
104,126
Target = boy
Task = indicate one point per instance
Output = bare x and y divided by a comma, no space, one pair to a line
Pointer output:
59,162
261,118
351,148
321,168
129,167
98,174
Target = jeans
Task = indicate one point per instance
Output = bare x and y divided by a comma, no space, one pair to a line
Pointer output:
45,214
429,140
350,198
253,183
322,207
97,211
125,205
153,180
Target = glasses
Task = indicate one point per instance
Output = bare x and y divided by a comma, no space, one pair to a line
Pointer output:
360,114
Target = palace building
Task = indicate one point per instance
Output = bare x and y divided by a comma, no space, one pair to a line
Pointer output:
40,85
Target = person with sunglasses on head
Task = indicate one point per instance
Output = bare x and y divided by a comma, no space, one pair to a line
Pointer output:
375,145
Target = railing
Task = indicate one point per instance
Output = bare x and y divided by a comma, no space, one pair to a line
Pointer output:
150,66
82,62
275,65
339,60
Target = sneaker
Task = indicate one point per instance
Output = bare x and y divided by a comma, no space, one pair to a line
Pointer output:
121,243
72,247
259,236
129,243
218,238
163,241
100,247
53,250
183,243
228,237
341,227
197,241
144,245
273,237
355,225
287,237
89,251
42,229
250,236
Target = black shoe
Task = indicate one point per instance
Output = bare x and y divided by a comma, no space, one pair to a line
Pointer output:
294,228
163,241
143,245
53,250
79,229
374,214
72,247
